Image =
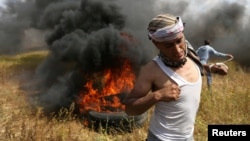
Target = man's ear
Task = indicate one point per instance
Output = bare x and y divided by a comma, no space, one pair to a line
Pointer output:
155,43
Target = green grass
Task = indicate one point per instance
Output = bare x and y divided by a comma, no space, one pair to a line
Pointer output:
227,103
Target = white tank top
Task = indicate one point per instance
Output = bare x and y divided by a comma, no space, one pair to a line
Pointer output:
175,120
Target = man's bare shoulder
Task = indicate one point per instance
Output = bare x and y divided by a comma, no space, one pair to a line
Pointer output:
150,71
153,73
150,66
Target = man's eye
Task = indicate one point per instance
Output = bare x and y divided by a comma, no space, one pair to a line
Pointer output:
179,41
167,45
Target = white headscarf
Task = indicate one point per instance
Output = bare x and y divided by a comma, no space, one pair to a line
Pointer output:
167,33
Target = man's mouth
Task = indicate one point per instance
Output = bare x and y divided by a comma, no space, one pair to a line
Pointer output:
179,56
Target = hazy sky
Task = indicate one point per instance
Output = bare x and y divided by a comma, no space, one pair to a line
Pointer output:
2,2
225,22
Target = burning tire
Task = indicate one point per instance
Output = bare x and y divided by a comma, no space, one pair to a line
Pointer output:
115,121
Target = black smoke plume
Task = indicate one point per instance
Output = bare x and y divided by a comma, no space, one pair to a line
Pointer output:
86,41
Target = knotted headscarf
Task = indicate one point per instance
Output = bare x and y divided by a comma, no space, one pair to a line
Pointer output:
165,27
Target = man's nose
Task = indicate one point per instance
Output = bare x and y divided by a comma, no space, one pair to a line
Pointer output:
176,47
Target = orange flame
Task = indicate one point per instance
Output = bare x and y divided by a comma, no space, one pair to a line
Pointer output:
115,82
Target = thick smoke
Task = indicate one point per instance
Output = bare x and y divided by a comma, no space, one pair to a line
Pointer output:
224,23
84,36
85,41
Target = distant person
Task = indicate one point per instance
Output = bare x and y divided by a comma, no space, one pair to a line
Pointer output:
204,52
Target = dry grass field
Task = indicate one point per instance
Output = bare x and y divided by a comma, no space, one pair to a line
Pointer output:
227,103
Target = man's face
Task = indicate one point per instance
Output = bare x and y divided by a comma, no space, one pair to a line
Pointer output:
174,49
